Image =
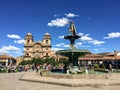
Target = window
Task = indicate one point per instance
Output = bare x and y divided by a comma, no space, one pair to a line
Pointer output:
28,41
46,48
46,41
46,54
27,54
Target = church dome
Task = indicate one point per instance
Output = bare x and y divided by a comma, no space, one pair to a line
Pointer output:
47,34
29,34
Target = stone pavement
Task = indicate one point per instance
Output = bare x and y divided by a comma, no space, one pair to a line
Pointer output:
35,77
9,81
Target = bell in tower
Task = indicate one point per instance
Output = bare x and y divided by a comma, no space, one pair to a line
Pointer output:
29,39
47,39
46,44
28,44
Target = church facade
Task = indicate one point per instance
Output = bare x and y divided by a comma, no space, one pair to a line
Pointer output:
39,49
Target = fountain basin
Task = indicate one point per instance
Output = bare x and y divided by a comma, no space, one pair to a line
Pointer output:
90,75
73,55
71,52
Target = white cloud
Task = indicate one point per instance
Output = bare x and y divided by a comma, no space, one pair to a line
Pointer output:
86,46
113,35
13,36
71,15
79,43
80,34
61,37
56,15
86,37
21,41
10,48
4,51
60,44
96,42
56,49
18,52
66,46
59,22
7,49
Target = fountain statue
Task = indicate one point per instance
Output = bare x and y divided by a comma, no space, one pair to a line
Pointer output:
72,53
72,37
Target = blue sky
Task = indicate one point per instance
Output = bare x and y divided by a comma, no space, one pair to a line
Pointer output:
97,21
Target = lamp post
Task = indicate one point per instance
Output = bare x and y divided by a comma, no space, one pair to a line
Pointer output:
115,60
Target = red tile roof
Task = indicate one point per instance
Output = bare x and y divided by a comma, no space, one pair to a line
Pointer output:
98,57
5,56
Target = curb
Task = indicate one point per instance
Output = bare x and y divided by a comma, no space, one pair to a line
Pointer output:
71,85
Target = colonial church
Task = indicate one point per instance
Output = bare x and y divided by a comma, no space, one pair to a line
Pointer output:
39,49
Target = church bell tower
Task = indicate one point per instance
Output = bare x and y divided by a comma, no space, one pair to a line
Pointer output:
28,44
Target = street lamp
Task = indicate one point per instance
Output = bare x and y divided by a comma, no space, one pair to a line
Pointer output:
115,60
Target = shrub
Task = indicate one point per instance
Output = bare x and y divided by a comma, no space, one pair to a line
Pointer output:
96,66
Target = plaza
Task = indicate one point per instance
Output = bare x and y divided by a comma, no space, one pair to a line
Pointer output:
59,45
71,75
10,81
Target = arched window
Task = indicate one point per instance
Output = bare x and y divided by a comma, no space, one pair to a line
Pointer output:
46,41
28,41
46,54
27,54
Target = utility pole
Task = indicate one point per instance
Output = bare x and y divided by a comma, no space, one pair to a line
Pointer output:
115,61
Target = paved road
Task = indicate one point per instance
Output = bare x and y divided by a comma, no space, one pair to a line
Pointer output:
9,81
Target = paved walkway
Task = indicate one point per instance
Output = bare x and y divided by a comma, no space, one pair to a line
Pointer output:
9,81
35,77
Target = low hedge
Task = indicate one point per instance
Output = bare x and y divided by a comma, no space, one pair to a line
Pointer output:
100,70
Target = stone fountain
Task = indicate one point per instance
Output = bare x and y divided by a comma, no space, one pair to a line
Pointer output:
73,80
72,53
